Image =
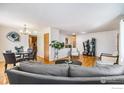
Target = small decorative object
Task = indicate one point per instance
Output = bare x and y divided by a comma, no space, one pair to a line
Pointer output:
69,60
57,46
13,36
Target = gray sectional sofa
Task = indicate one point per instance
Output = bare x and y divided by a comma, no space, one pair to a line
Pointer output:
38,73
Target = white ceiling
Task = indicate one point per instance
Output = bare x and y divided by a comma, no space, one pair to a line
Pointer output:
67,17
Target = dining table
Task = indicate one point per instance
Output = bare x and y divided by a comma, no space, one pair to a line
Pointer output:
23,54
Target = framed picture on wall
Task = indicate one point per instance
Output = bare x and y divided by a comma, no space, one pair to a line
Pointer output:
13,36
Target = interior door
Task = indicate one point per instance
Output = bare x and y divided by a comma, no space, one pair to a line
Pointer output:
33,42
46,46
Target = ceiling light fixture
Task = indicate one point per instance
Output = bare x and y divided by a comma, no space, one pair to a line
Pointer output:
25,30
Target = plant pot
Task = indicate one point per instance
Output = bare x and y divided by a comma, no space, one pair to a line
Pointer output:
55,54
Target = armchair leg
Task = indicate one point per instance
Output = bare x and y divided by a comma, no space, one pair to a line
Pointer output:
14,64
5,67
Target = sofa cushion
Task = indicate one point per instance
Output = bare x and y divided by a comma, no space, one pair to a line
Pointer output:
45,69
80,71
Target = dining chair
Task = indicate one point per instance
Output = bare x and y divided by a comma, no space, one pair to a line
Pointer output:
10,59
31,56
30,50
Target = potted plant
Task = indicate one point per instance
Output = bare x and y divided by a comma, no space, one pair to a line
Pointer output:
57,46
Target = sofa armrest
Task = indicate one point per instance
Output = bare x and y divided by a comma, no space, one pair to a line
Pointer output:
104,54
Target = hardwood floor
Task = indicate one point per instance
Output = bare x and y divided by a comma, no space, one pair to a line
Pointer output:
87,61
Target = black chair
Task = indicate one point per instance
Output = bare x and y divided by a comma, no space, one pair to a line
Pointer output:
10,59
30,50
26,56
31,56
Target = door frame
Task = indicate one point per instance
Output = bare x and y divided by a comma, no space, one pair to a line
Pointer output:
46,46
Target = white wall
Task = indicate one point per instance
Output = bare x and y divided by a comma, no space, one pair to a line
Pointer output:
40,41
56,34
106,42
121,41
63,52
63,36
6,44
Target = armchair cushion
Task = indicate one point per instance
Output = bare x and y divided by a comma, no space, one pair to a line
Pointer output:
113,58
109,59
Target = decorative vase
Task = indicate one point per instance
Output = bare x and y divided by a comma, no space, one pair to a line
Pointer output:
56,54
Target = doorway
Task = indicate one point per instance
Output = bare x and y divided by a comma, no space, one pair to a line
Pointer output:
46,46
33,42
72,41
